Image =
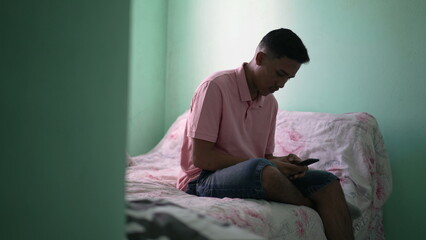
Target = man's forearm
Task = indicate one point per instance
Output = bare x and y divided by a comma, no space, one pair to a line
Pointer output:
206,156
269,156
214,159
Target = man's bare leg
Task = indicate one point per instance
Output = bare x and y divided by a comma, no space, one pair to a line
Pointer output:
271,178
331,205
329,202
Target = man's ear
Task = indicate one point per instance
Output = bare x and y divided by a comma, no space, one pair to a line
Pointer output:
260,57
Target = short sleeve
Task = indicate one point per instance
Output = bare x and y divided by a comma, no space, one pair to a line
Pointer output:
205,112
271,139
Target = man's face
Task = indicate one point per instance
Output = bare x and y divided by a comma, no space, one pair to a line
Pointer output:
273,73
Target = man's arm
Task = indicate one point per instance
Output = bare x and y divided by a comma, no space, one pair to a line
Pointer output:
286,165
291,158
207,157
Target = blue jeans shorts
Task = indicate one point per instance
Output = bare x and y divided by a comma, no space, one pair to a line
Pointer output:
243,180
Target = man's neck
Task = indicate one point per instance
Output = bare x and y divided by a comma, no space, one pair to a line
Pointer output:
254,93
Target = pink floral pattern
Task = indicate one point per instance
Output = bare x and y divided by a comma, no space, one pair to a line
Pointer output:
348,145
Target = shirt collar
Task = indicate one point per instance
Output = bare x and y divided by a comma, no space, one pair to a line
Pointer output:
243,87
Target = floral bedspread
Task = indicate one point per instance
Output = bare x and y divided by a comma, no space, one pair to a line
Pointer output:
348,145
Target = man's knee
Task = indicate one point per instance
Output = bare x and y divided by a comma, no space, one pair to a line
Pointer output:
333,187
332,190
273,179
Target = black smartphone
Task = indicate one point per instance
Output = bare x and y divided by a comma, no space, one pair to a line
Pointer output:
307,162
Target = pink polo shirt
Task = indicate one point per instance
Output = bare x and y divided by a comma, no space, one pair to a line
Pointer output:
222,112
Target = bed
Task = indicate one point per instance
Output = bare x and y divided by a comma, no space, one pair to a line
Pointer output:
349,145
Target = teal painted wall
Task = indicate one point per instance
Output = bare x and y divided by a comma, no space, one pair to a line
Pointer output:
147,74
207,36
64,81
366,56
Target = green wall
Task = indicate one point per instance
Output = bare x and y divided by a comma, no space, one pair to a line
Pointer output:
366,56
64,74
147,74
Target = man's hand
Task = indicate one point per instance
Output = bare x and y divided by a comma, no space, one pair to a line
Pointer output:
287,166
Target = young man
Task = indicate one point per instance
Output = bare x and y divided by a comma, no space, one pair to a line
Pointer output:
229,138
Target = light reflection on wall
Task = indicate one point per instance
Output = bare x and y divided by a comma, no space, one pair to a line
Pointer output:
208,36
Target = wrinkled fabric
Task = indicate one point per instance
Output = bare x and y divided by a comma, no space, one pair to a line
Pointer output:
348,145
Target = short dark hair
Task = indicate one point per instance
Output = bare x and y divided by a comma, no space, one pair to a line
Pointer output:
285,43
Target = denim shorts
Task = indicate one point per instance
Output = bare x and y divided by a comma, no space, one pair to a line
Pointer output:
243,180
